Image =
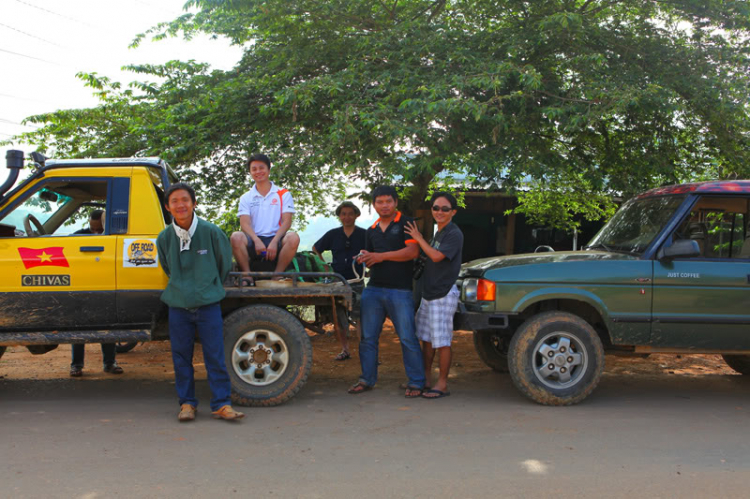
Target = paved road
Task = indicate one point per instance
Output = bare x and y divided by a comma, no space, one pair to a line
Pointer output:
661,436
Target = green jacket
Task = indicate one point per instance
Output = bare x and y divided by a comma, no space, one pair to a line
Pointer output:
196,276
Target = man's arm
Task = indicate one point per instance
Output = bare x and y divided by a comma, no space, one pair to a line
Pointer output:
322,244
286,224
223,252
162,251
410,252
246,225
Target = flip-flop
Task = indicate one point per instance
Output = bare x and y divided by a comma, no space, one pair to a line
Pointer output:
440,394
413,389
355,390
405,385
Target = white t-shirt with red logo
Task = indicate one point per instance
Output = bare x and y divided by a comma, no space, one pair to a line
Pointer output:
265,211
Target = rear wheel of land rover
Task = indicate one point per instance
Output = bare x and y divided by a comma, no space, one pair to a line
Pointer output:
556,358
492,348
740,363
268,355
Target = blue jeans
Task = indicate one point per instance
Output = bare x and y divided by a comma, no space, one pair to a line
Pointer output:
78,353
398,304
207,322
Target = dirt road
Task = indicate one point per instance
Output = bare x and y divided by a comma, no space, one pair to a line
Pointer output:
664,426
152,361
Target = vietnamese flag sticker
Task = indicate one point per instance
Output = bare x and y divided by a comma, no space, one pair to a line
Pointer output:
43,257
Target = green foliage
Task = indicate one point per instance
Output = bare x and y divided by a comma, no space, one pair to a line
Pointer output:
626,95
563,203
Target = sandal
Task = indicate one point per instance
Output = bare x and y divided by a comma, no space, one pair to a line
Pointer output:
413,392
436,394
405,385
344,355
247,282
359,387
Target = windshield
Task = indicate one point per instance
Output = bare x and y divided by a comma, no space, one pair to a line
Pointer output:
636,224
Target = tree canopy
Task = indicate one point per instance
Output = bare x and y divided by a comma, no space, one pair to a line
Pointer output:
567,101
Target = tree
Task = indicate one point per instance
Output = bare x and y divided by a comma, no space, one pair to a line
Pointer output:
573,98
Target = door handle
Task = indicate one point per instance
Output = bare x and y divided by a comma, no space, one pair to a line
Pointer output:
91,249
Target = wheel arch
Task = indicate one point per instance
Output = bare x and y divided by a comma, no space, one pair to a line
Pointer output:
585,305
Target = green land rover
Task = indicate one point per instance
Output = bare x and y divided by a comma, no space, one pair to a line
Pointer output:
669,273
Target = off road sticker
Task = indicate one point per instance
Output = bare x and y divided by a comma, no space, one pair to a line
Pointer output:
45,280
139,253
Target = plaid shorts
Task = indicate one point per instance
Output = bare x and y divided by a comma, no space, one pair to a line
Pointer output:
435,319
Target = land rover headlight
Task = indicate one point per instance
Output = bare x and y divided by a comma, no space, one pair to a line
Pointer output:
479,290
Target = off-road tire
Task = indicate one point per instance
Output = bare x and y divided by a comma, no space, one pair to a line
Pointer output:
740,363
2,351
492,348
547,333
289,332
125,347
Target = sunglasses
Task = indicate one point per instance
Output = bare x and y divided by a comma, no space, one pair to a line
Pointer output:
444,209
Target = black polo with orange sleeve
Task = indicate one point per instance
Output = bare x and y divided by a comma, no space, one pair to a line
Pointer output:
388,274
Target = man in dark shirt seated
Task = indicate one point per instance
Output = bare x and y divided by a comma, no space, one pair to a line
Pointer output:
96,223
96,226
345,243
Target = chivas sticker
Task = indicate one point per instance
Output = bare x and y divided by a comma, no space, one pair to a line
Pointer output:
45,280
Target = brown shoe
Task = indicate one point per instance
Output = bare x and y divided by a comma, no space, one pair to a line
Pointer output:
187,413
227,413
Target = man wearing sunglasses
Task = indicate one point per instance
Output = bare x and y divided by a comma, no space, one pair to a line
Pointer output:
440,294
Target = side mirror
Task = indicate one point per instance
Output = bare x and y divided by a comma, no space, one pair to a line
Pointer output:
683,248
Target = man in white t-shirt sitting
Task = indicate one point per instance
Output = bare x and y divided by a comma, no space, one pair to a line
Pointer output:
265,218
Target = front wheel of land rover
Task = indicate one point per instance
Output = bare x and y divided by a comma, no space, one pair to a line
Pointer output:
556,358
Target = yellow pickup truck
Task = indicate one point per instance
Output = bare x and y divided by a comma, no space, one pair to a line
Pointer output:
60,287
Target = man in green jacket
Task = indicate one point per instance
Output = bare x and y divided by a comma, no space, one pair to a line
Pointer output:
196,256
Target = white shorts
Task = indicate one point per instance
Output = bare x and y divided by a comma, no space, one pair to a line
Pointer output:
435,319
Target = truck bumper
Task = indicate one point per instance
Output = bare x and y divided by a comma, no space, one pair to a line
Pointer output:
475,321
61,337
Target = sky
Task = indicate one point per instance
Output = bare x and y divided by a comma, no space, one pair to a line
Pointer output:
44,43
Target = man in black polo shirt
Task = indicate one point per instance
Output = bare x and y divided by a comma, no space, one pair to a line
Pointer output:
389,253
345,243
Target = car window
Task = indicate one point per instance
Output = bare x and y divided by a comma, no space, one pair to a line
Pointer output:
56,208
719,226
636,224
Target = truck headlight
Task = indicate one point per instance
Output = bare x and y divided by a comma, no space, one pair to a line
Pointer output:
479,290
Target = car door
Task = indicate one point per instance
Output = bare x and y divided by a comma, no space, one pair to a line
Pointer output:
704,301
54,278
140,278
